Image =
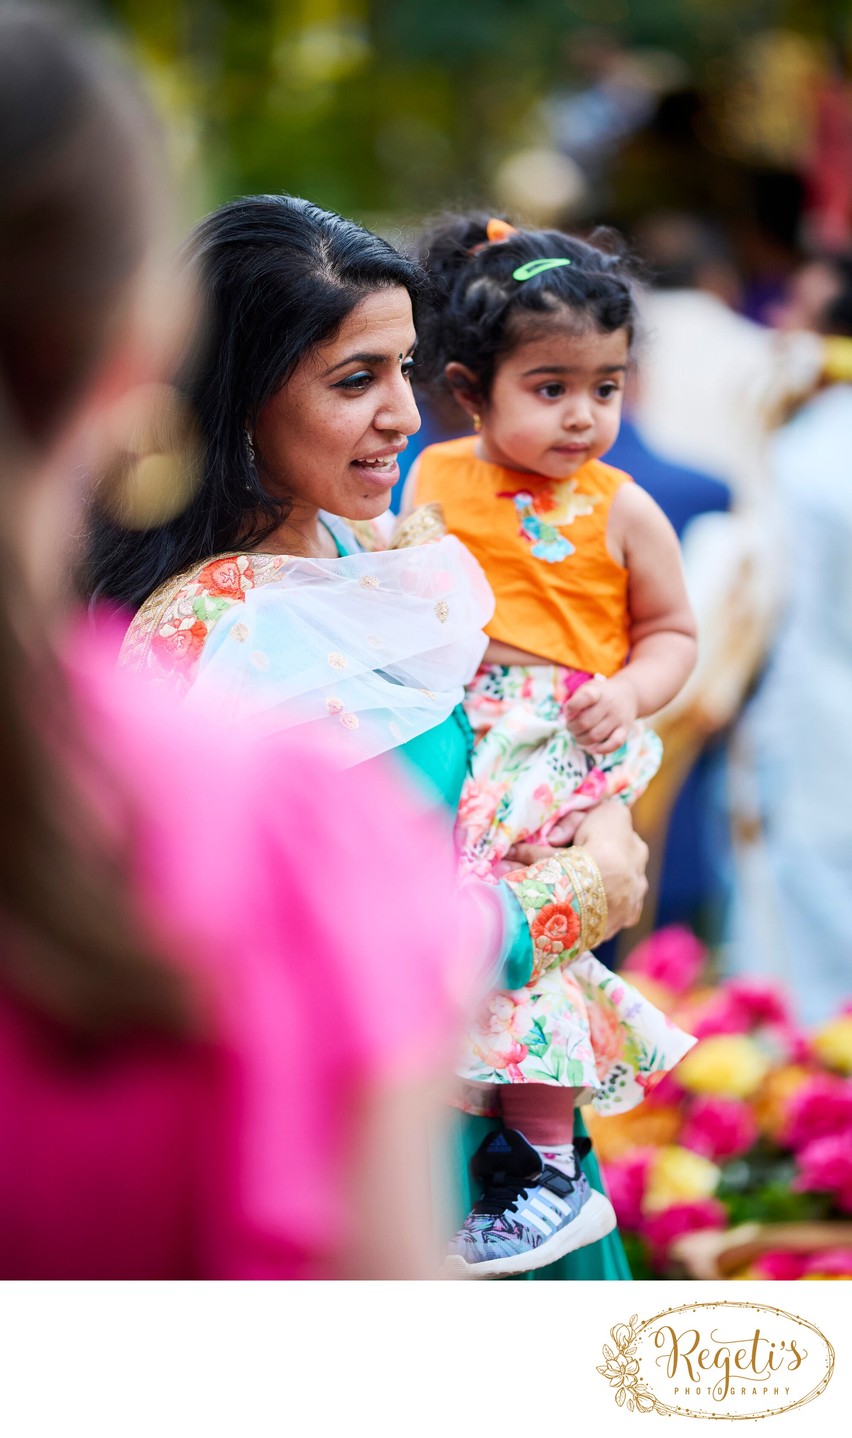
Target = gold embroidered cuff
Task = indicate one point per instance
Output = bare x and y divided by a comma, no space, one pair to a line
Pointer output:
590,894
424,526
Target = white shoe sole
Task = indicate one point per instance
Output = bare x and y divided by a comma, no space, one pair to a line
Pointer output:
595,1220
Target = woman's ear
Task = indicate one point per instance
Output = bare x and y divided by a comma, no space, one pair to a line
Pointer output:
464,386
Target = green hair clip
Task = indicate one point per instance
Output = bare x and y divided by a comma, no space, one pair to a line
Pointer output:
536,267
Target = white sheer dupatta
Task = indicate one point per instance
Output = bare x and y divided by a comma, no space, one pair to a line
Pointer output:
372,648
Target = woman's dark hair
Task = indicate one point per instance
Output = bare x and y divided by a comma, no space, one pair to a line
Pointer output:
75,207
277,277
837,319
481,312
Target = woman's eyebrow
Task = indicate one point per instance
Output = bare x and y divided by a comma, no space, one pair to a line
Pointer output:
361,357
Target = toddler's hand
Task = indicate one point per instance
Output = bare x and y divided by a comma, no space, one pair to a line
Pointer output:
599,714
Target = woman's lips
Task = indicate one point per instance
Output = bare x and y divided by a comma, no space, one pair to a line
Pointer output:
383,471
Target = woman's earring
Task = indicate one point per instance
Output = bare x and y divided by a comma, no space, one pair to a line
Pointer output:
477,423
251,459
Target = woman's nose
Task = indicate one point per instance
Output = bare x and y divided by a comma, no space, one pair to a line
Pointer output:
399,412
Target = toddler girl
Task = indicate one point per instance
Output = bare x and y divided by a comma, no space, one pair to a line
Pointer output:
532,335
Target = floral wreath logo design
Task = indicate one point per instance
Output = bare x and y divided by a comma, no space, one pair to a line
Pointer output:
622,1370
718,1359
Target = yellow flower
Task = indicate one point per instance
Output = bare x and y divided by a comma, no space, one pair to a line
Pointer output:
677,1175
833,1043
772,1101
730,1065
619,1133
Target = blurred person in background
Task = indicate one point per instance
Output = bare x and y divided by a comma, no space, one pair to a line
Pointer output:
171,899
792,787
256,600
694,871
713,383
711,387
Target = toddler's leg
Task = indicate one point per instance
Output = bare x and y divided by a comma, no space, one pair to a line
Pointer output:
544,1114
536,1203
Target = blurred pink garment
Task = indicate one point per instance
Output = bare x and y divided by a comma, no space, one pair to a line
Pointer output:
322,950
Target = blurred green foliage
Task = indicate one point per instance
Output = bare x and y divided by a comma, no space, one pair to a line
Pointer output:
389,108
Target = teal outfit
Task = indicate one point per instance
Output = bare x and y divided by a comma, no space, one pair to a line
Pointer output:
439,757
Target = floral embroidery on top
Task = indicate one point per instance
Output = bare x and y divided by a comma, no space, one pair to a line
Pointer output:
555,502
171,628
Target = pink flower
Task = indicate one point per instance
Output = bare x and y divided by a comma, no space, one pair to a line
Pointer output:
762,1002
825,1166
740,1007
661,1230
793,1045
719,1128
626,1179
822,1106
543,795
720,1016
780,1264
830,1263
661,1088
672,956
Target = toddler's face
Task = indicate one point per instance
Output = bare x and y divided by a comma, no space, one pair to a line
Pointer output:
556,403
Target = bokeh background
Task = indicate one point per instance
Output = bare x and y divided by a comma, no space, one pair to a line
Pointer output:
567,110
716,135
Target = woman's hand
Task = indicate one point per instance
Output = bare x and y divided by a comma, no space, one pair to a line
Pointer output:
608,836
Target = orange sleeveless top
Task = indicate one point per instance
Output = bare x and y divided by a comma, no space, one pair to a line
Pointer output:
542,544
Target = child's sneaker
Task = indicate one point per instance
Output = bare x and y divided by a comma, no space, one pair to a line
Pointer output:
529,1215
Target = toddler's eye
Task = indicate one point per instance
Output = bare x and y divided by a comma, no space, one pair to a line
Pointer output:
607,390
552,391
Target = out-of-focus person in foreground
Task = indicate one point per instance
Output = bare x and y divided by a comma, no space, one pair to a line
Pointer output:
171,899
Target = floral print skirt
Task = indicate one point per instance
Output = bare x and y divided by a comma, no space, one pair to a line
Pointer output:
528,769
580,1026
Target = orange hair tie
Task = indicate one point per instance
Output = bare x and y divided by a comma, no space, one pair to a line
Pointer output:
498,231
